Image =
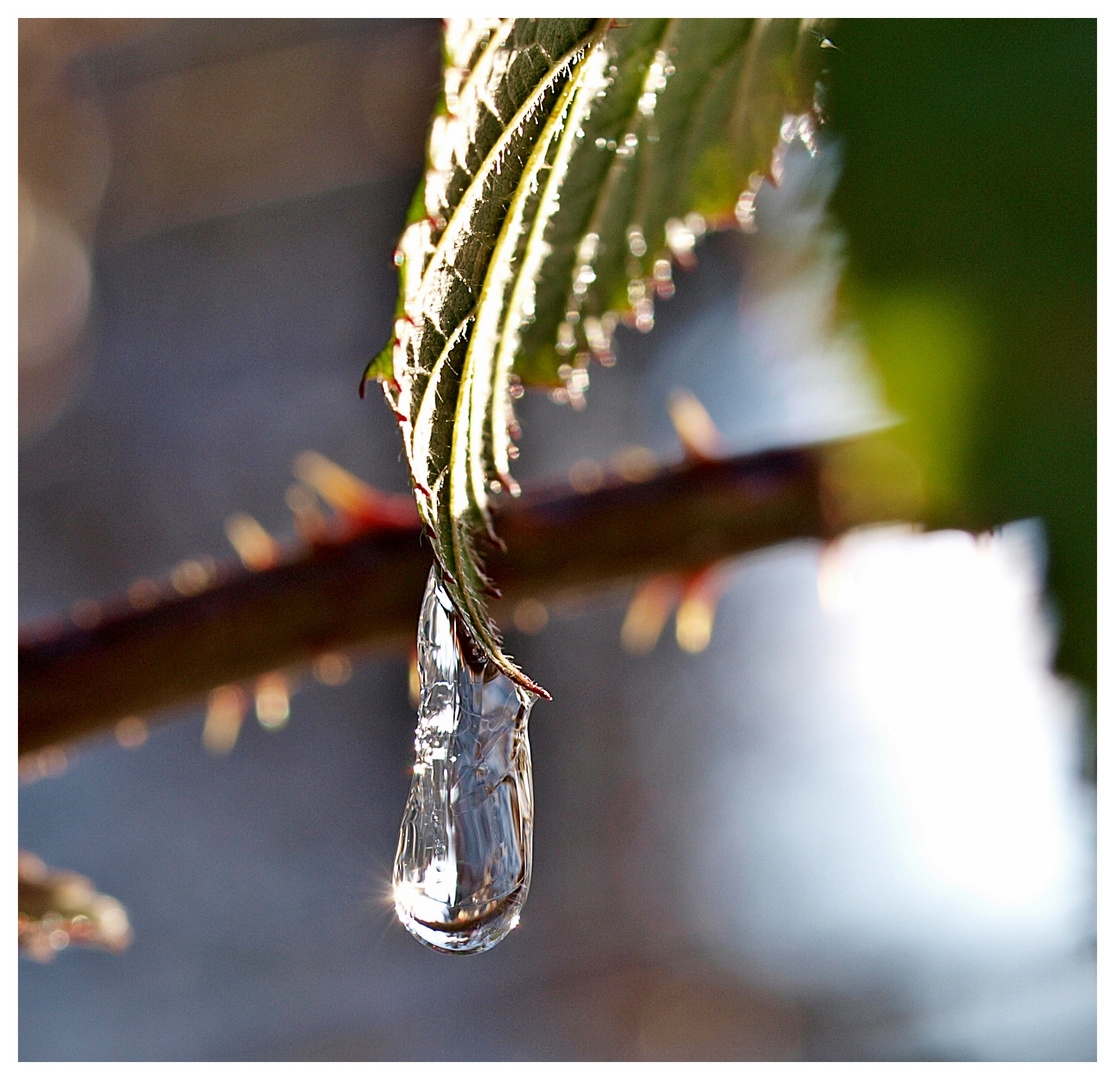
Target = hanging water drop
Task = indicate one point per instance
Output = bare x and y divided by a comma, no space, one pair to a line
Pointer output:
636,242
663,279
462,869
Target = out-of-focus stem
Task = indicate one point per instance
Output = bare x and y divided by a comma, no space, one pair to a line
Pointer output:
365,591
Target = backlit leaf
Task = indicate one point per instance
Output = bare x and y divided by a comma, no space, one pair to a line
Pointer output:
572,163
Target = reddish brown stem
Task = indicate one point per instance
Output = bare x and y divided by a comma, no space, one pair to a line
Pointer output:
365,591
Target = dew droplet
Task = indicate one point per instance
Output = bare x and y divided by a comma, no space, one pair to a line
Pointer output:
679,238
663,279
745,211
636,242
696,224
586,248
566,338
598,341
462,869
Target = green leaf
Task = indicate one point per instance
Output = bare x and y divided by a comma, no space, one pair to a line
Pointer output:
976,299
689,122
571,162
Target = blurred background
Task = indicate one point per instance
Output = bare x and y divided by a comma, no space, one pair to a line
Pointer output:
859,824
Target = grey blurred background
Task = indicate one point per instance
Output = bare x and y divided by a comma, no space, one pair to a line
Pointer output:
852,828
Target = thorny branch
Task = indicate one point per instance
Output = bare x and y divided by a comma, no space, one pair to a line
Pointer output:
364,591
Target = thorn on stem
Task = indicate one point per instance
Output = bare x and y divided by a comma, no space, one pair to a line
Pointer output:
699,436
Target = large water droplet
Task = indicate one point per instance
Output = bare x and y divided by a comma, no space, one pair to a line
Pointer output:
462,869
